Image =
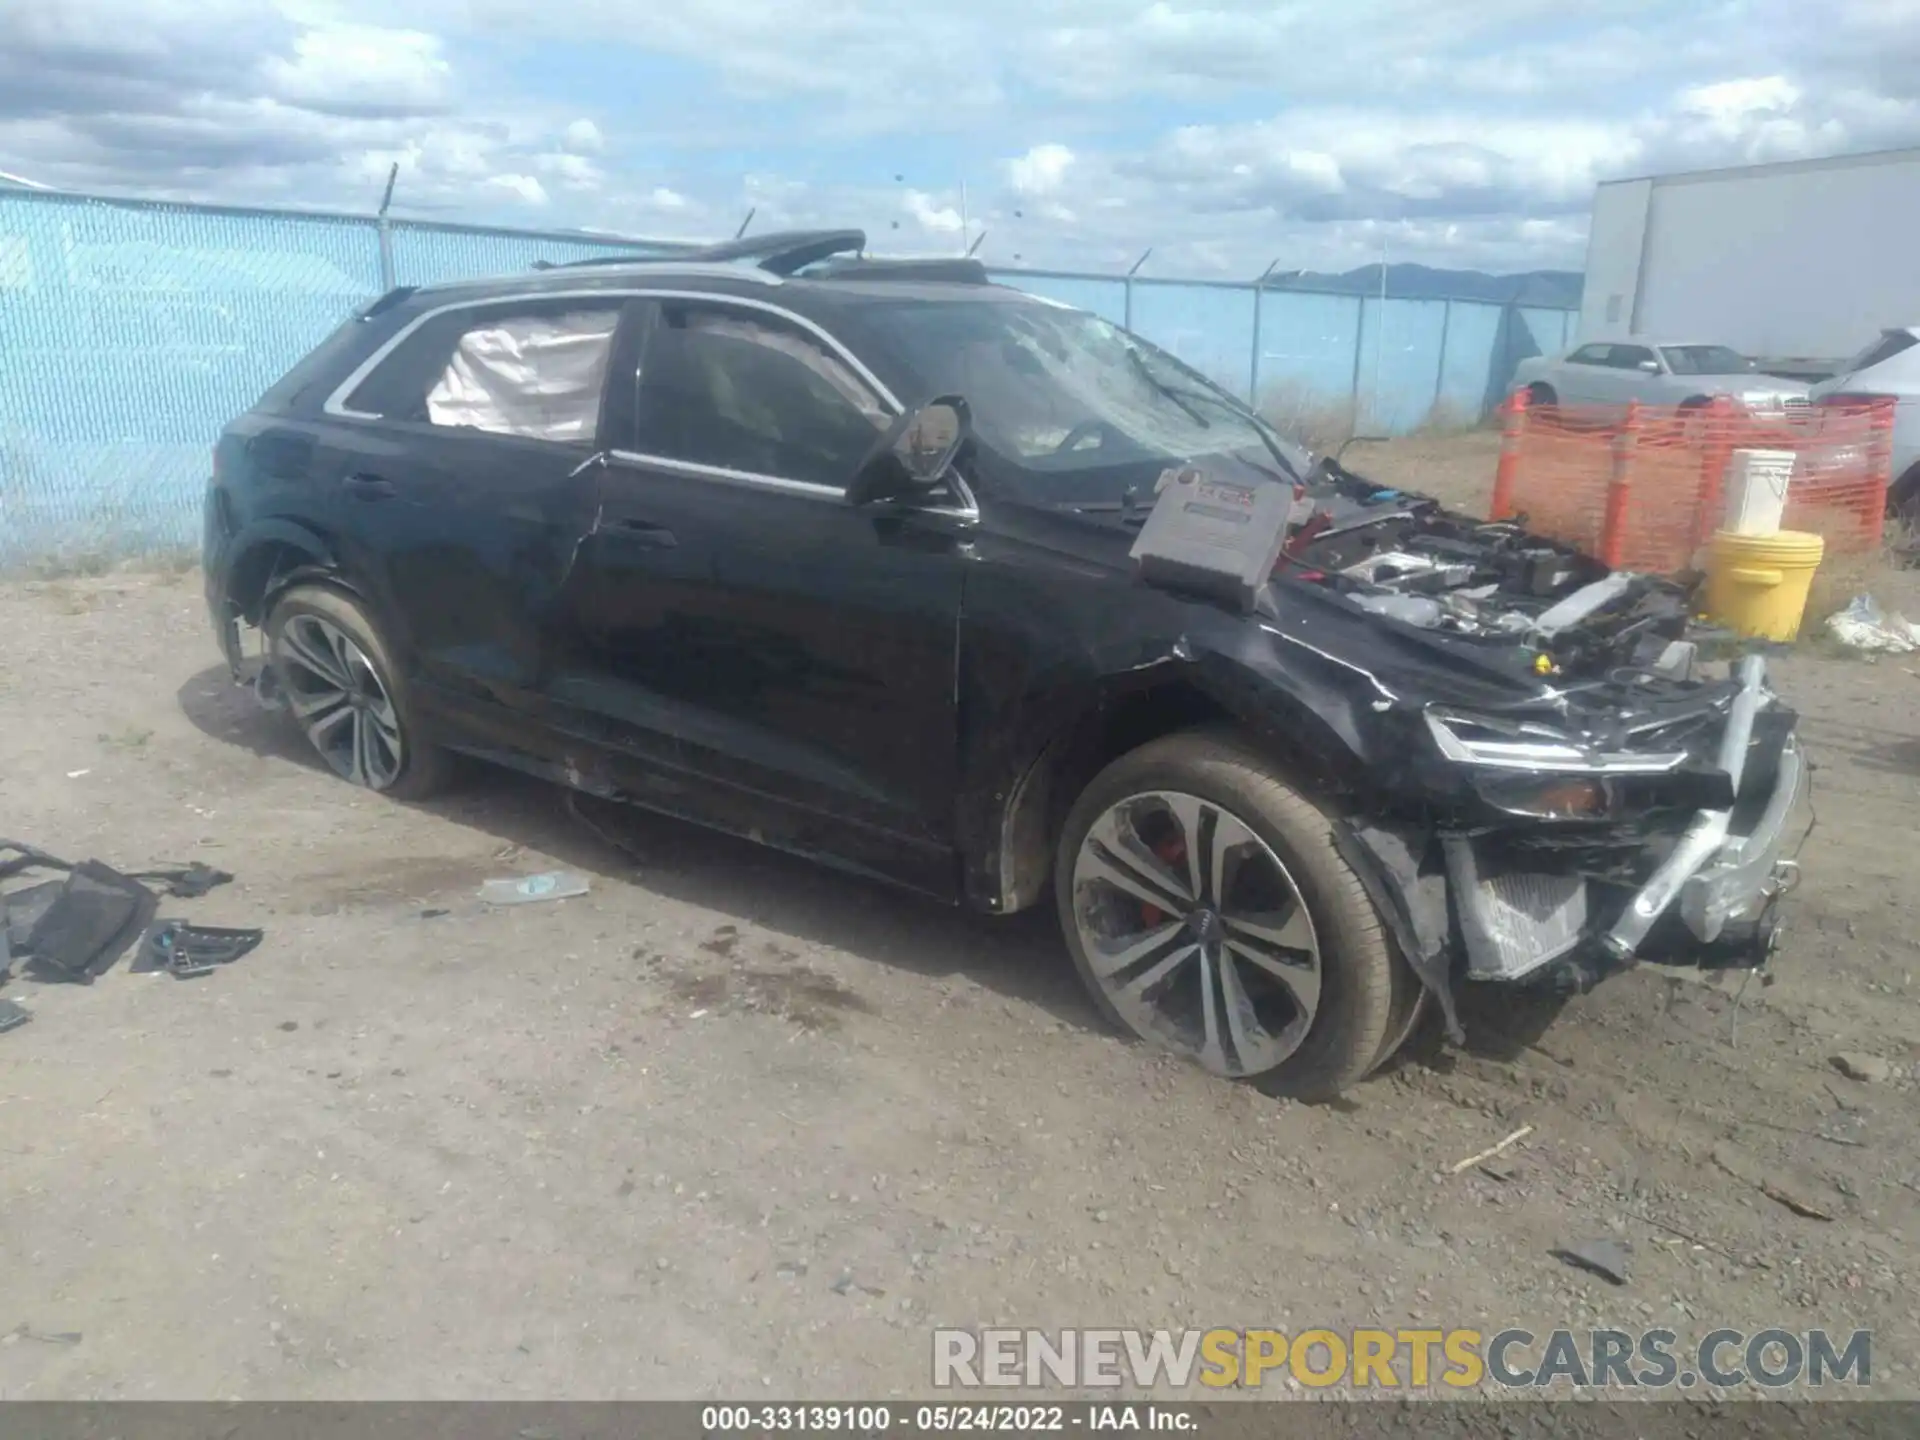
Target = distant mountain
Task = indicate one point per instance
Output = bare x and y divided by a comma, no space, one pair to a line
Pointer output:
1422,282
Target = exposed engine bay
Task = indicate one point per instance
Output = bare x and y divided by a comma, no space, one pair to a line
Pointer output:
1408,559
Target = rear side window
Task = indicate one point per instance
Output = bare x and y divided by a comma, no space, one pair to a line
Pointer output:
726,388
1589,355
535,372
1629,357
322,364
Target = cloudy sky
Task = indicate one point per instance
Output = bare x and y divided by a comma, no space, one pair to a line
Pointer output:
1224,133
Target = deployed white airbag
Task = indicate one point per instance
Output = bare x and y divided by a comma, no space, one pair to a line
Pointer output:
534,376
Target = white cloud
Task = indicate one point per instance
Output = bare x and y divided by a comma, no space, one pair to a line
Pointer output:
941,219
525,188
1040,170
573,172
583,137
361,69
1221,132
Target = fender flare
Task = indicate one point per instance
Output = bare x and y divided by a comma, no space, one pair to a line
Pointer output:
245,583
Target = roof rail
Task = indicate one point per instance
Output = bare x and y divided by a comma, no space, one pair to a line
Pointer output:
936,268
783,252
778,253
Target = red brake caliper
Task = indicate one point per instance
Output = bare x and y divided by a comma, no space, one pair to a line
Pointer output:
1172,853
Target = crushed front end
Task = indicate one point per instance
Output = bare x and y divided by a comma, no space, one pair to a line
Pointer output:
1558,790
1662,841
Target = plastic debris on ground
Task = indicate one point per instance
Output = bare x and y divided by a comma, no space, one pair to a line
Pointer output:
525,889
187,951
77,927
1863,625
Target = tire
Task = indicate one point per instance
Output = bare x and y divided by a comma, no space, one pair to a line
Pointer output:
1155,974
367,729
1541,393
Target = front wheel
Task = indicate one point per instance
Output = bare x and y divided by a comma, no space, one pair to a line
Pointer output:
1209,912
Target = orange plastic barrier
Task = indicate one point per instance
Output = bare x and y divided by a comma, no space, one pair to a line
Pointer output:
1643,488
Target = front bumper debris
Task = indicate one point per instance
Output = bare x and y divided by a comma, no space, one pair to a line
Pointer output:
1706,838
1718,880
1746,874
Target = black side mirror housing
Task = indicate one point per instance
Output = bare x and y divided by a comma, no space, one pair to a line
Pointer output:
915,453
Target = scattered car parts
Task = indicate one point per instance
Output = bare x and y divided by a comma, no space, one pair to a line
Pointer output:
188,951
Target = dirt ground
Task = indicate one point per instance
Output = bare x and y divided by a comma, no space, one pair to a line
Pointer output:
730,1125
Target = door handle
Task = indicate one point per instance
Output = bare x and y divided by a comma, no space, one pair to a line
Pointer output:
645,532
369,487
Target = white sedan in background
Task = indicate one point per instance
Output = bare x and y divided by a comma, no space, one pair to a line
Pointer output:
1888,370
1614,372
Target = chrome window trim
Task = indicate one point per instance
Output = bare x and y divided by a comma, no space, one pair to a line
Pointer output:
336,406
779,484
336,403
750,478
662,267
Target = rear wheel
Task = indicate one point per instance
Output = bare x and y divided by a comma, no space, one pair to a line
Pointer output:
1208,912
346,695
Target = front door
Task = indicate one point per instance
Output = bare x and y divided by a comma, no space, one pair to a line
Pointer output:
791,654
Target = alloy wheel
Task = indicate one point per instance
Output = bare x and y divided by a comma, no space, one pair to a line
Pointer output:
1196,933
340,701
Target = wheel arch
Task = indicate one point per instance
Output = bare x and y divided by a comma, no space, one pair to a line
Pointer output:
271,555
1054,768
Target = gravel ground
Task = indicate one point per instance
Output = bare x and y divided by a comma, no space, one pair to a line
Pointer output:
732,1125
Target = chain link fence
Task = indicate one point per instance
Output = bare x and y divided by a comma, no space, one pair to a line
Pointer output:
131,332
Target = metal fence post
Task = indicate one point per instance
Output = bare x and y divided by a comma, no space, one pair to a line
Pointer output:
1440,363
1127,301
1259,304
384,230
1359,348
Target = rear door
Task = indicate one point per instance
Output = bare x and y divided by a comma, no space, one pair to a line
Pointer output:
793,652
466,481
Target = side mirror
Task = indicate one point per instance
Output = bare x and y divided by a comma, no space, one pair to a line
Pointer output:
915,453
1652,367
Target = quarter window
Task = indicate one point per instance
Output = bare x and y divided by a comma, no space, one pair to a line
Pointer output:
535,373
723,388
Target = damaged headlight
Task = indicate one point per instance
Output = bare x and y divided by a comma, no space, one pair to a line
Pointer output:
1498,742
1548,797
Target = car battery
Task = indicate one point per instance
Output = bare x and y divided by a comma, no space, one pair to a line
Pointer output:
1214,537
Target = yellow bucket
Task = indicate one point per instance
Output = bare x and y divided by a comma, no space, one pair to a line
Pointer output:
1757,584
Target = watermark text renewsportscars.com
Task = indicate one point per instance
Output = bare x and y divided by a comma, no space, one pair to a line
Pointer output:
1400,1359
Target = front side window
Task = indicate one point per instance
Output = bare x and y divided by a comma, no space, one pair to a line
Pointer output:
536,373
728,389
1057,390
1629,357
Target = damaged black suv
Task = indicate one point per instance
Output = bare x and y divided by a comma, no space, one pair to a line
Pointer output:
836,553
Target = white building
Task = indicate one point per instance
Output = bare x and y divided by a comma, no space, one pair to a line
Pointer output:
1798,264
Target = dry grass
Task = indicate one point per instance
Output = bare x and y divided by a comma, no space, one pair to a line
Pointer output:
1325,423
94,560
1841,577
